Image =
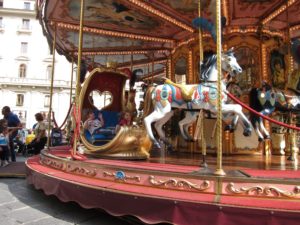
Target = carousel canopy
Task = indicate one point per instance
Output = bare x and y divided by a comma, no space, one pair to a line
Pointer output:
139,33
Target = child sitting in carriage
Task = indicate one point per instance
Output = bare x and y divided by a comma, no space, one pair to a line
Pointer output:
126,120
92,123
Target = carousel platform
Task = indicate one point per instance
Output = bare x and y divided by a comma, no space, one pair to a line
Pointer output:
172,188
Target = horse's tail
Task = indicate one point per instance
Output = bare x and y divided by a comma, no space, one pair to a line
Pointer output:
148,106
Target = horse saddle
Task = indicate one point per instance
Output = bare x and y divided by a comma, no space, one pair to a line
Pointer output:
266,97
187,93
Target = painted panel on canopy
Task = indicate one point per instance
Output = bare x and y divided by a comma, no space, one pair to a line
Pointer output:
186,9
288,18
121,16
245,12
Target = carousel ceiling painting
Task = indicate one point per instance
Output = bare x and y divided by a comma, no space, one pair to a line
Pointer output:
110,13
139,33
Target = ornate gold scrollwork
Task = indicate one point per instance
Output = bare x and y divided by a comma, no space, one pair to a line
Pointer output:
121,176
53,164
268,191
180,184
82,171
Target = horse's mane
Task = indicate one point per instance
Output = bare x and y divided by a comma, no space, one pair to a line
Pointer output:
206,66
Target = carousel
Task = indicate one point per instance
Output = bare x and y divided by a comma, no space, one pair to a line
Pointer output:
216,137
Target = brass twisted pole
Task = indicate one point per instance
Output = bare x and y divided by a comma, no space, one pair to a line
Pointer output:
51,88
71,88
78,70
201,114
200,35
219,171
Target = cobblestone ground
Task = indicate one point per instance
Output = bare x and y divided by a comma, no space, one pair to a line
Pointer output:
21,203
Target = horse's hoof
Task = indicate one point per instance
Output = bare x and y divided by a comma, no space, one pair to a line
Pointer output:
247,132
170,149
190,139
229,128
260,139
156,145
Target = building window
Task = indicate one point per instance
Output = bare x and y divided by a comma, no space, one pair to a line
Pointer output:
27,5
22,71
20,100
47,101
25,24
1,3
49,72
24,47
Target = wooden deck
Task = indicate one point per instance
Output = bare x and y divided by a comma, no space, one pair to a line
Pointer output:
229,162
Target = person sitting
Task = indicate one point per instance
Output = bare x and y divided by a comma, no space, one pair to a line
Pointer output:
40,139
29,137
92,123
20,140
4,146
126,120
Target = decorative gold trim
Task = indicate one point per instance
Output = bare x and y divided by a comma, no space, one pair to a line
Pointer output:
268,191
136,52
180,184
82,171
278,11
125,178
113,33
53,163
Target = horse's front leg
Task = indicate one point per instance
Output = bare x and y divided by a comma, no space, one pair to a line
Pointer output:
159,125
237,109
255,122
232,126
185,123
263,129
158,113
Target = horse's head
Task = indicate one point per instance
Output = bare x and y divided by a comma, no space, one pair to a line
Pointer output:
287,100
134,77
230,64
138,72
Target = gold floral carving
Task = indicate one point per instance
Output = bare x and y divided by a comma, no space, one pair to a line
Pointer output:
124,178
53,164
268,191
82,171
180,184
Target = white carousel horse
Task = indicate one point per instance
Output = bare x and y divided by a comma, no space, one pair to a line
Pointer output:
266,100
191,116
193,97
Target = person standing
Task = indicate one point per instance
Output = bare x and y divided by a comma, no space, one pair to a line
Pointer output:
14,124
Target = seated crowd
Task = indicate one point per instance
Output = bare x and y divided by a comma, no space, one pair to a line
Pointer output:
99,128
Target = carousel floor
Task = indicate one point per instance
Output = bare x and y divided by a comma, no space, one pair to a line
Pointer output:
229,162
171,187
